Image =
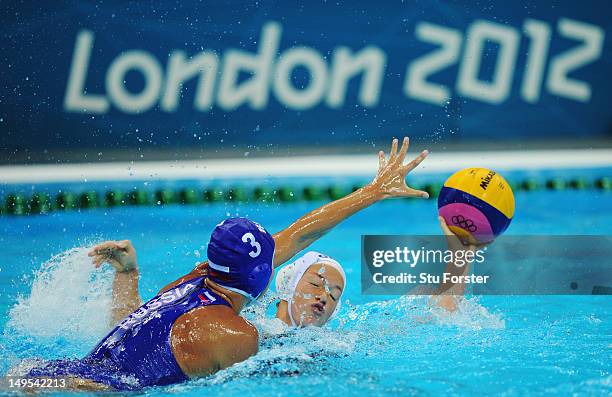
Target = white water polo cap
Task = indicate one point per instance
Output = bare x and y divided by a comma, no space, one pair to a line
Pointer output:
289,276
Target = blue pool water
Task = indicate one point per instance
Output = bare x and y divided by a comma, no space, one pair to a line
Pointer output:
512,346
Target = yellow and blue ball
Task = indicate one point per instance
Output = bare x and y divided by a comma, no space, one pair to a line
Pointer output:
477,204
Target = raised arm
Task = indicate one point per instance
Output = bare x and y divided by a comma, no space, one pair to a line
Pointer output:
448,294
390,181
122,256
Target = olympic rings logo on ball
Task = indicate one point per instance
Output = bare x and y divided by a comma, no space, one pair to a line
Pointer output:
464,223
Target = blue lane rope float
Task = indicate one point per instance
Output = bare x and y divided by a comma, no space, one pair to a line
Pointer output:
43,203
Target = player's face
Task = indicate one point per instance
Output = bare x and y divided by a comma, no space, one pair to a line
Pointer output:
316,295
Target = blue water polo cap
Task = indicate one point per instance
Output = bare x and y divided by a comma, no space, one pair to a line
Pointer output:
240,255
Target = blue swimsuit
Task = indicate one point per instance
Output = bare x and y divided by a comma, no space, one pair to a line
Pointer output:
137,352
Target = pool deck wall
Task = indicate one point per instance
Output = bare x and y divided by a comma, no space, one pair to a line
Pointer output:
299,166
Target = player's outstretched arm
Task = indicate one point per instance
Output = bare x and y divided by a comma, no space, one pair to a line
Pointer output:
390,181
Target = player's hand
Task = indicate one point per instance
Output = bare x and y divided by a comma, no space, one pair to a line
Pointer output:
119,254
390,180
454,242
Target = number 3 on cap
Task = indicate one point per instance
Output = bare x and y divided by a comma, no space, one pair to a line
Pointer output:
249,238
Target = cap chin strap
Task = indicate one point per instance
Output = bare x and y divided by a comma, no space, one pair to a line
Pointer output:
238,291
249,298
289,304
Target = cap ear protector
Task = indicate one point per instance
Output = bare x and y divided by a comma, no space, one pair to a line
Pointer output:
290,275
261,272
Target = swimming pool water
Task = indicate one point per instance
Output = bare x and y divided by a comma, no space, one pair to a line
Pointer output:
555,345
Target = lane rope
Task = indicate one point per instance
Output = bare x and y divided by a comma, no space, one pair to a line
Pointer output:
43,203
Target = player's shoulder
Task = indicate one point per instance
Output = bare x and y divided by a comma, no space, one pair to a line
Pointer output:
222,334
212,338
221,321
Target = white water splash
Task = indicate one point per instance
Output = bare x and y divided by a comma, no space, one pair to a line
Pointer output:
469,314
296,351
69,299
418,310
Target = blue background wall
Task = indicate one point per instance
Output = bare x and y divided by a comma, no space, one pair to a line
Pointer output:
39,43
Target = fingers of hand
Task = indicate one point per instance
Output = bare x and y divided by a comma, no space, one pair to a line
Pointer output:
444,226
393,153
415,163
96,249
124,245
109,252
381,159
98,260
106,252
104,247
403,149
417,193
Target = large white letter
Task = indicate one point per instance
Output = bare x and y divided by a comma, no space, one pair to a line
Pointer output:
561,66
115,81
286,93
416,84
254,90
370,61
76,99
468,84
181,69
539,35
